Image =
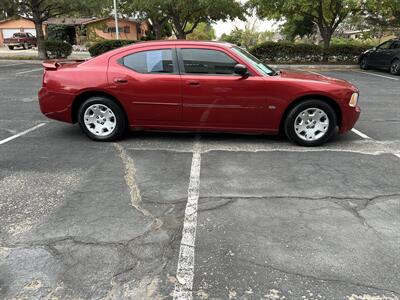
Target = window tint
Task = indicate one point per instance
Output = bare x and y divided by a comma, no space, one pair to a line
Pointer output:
154,61
202,61
385,45
395,45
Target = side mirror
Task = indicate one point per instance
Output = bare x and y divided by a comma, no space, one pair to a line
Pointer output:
241,70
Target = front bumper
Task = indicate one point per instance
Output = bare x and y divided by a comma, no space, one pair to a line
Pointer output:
349,118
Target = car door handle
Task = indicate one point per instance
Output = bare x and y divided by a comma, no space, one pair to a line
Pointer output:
120,80
193,82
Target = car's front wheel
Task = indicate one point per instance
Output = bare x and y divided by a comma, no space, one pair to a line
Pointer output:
364,63
395,67
101,119
11,47
310,123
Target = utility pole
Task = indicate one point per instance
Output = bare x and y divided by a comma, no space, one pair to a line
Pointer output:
116,19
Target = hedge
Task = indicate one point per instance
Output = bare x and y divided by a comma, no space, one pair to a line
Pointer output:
57,49
284,52
107,45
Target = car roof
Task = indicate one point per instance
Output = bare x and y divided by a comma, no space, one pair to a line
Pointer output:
105,56
184,42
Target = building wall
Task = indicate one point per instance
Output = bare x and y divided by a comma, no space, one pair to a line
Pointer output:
20,24
99,30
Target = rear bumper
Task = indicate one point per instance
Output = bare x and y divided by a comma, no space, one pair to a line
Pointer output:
55,105
349,118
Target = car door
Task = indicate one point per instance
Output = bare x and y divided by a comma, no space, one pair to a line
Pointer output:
213,96
394,51
148,82
379,57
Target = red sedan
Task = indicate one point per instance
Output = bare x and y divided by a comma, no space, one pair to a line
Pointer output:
195,86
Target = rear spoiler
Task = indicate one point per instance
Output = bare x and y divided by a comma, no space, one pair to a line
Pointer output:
55,64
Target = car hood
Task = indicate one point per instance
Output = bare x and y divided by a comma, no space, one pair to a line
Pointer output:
315,77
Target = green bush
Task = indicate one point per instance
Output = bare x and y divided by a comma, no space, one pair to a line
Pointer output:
285,52
57,33
56,49
344,53
107,45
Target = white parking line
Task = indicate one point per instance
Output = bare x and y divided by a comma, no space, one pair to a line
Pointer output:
185,269
21,133
11,65
359,133
378,75
29,71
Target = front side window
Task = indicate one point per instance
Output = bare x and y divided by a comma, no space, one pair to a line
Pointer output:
385,45
254,61
206,61
152,61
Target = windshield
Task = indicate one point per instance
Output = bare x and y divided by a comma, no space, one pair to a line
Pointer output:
255,62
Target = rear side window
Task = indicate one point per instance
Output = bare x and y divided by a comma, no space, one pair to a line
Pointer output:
152,61
395,45
206,61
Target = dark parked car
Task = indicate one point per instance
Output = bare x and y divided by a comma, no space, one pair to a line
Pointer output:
21,39
386,56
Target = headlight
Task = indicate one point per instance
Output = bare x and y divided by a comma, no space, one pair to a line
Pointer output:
353,100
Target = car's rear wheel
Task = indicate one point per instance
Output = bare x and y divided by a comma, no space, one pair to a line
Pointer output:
395,67
364,63
11,47
101,119
26,46
310,123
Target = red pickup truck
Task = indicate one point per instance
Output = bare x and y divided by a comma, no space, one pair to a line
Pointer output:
21,39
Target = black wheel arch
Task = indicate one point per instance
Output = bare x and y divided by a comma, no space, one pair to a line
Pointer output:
324,98
76,104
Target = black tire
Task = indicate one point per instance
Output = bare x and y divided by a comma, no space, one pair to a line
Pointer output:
289,123
121,123
26,46
11,47
364,63
395,67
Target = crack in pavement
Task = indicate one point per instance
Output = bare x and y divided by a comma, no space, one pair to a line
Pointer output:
343,202
130,179
232,198
395,292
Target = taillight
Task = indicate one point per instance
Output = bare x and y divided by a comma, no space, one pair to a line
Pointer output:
44,81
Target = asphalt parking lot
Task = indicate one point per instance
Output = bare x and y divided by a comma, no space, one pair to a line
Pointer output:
202,216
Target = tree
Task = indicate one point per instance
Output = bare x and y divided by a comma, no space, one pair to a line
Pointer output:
8,8
153,10
382,13
247,37
204,31
297,27
186,15
41,10
326,14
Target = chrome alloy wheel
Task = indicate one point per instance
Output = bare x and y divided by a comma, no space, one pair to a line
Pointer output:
311,124
100,120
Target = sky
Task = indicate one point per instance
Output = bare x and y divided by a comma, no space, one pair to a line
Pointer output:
227,26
